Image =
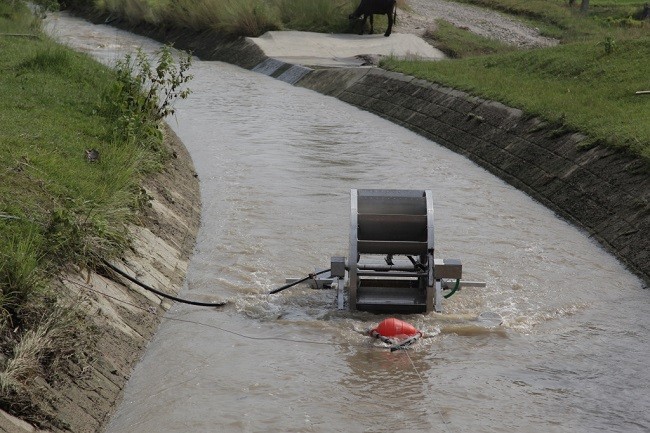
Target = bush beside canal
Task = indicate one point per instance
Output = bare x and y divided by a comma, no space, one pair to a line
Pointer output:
230,17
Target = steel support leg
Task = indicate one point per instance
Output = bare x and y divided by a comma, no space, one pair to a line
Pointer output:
340,292
438,296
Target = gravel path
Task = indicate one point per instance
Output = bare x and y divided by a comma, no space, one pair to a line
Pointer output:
484,22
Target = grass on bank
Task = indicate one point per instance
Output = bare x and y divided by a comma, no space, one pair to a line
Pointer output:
577,85
588,83
460,43
232,17
57,209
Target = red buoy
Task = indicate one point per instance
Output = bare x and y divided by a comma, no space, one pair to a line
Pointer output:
395,329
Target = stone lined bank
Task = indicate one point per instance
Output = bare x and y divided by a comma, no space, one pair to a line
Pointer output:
601,190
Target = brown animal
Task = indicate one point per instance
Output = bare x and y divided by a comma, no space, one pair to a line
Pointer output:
92,155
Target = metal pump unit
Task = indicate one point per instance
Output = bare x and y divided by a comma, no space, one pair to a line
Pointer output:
396,227
391,267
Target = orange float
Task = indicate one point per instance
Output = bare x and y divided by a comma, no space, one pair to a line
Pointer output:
393,329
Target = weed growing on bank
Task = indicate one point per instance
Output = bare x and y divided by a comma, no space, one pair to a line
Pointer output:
62,210
142,96
461,43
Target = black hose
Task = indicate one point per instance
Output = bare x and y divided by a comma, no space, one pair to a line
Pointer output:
159,293
286,286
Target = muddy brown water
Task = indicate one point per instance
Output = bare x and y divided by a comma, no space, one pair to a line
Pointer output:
276,164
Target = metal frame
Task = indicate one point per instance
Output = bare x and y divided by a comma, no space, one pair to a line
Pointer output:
354,255
392,223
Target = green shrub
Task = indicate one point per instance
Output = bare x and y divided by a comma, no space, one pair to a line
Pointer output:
143,95
608,44
318,15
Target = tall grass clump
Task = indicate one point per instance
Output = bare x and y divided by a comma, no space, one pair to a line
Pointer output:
196,15
248,17
315,15
42,351
230,17
85,232
21,280
149,11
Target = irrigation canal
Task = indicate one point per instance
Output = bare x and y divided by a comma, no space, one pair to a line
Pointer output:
276,165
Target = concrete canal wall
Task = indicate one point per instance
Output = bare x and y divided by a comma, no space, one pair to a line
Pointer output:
603,191
599,189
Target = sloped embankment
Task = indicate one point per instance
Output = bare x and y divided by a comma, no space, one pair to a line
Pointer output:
124,316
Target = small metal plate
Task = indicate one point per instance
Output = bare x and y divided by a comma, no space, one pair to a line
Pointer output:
338,267
447,268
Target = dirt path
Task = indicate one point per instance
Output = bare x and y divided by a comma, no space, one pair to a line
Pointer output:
423,14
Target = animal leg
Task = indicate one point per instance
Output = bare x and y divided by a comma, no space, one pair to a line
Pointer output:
363,23
390,24
372,28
